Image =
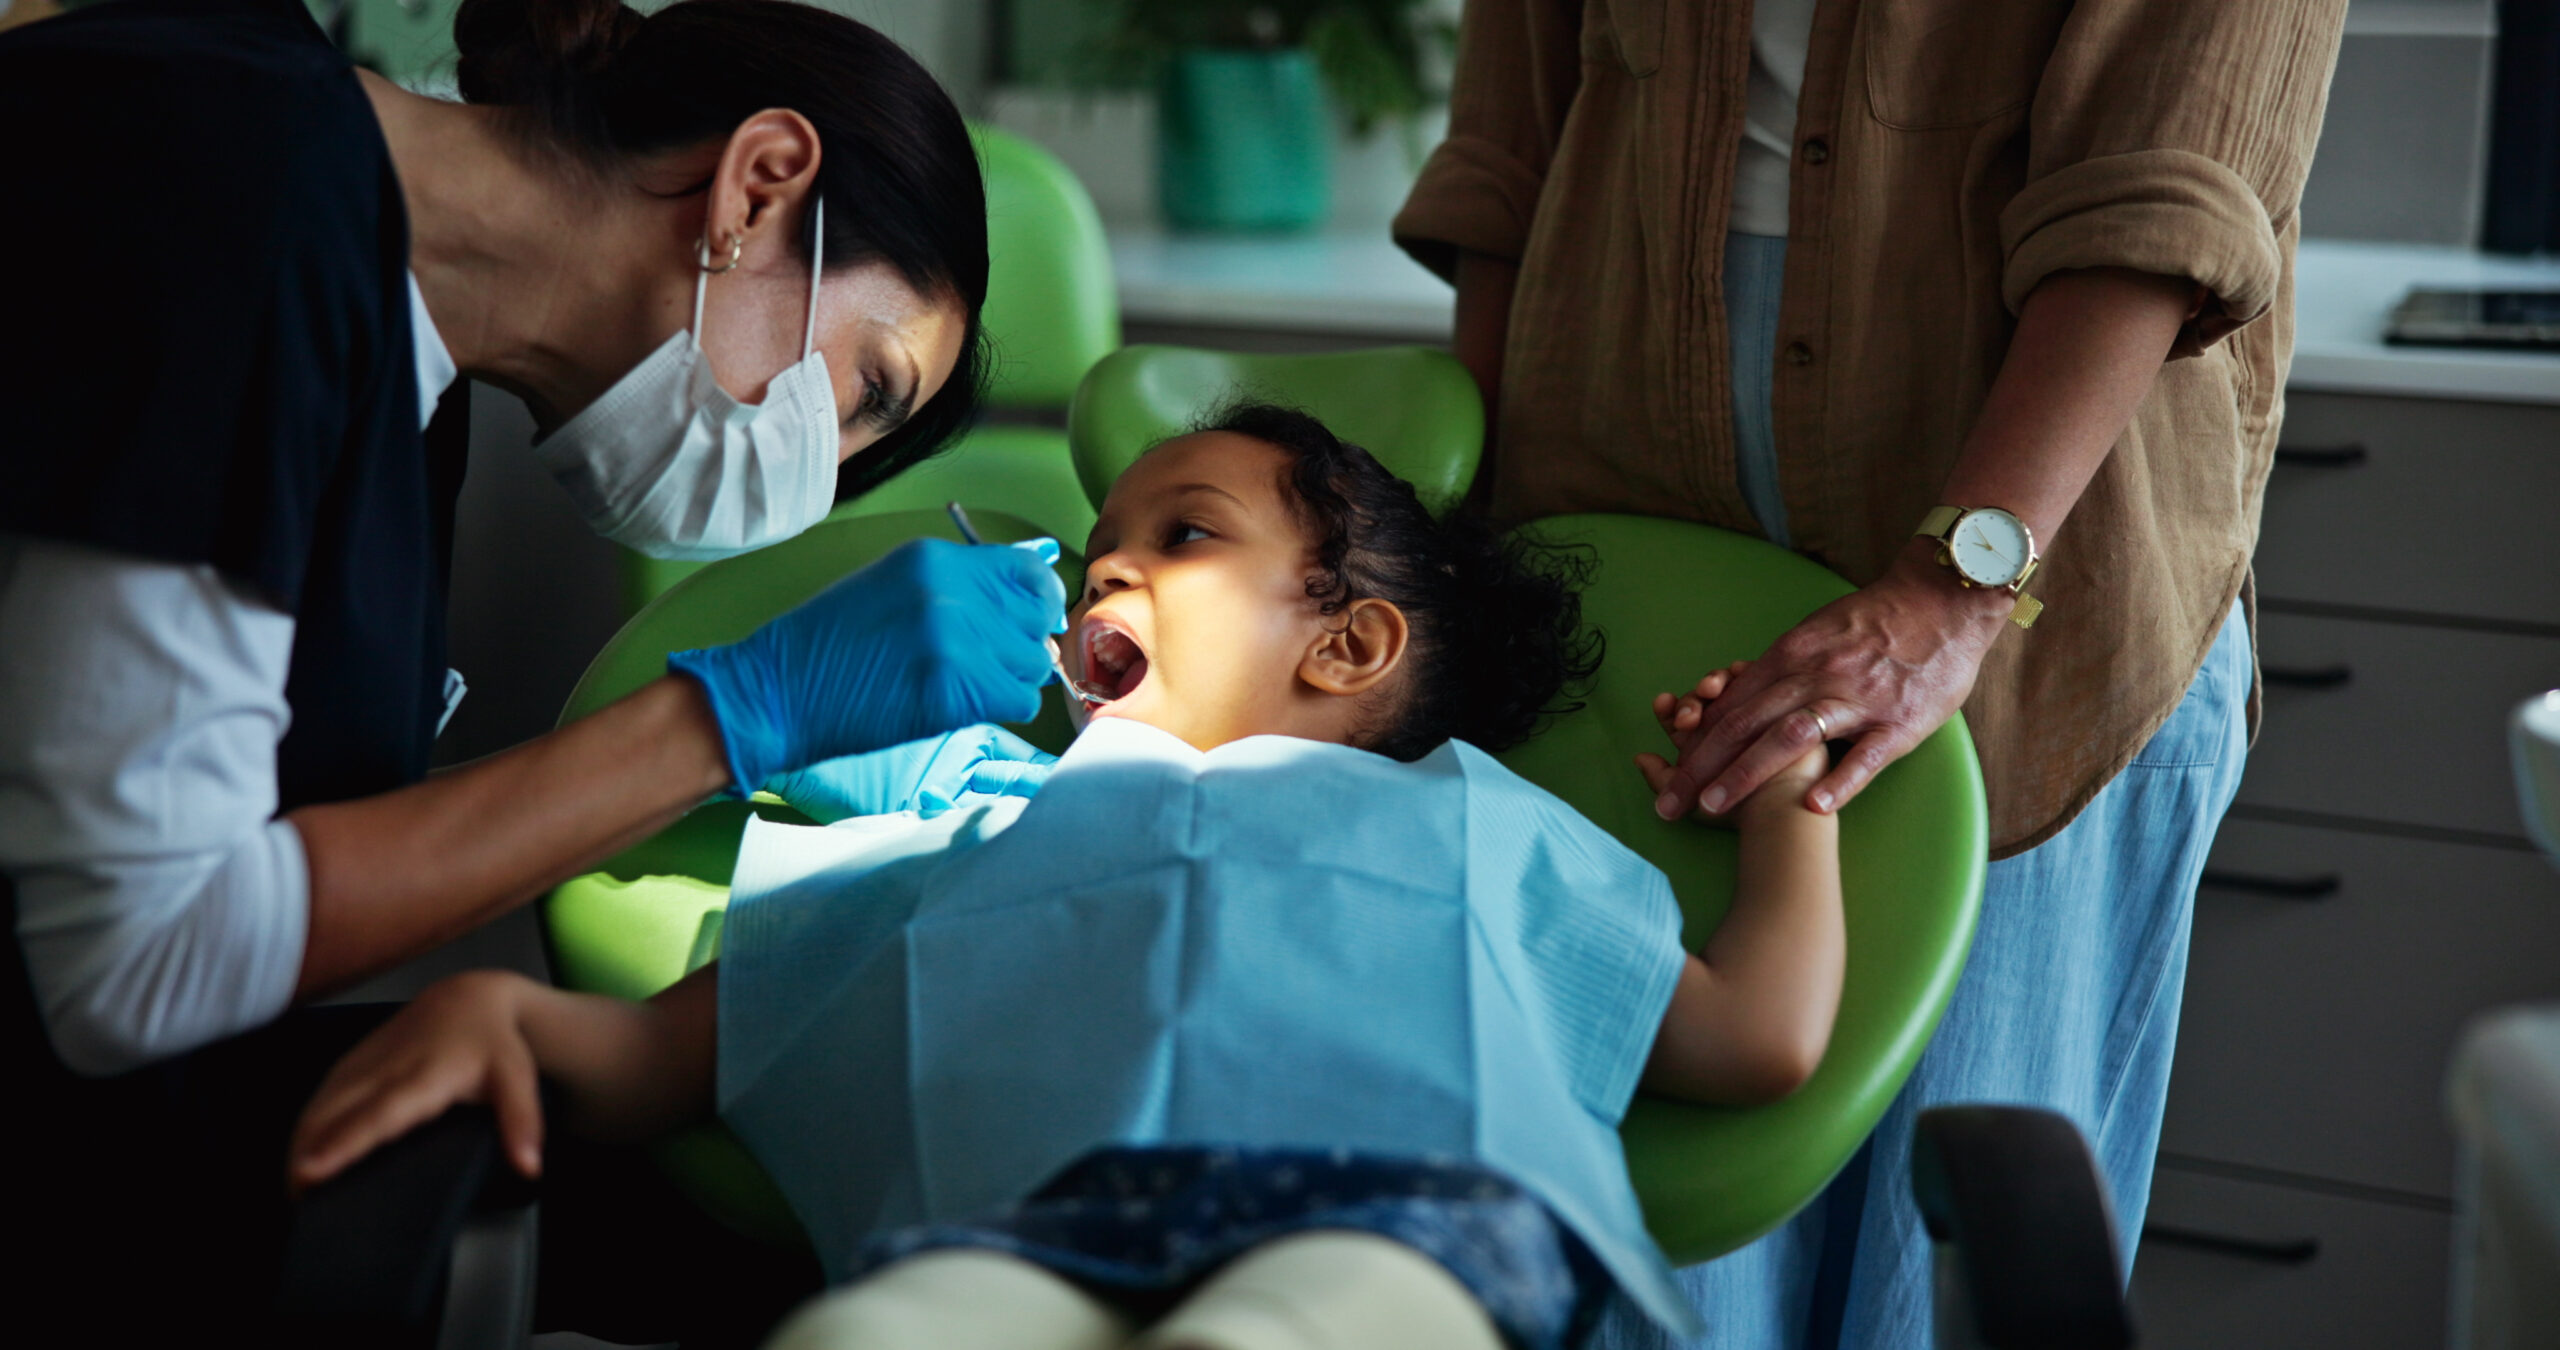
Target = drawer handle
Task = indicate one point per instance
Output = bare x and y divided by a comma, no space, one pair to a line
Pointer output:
2319,886
2309,677
2279,1252
2345,456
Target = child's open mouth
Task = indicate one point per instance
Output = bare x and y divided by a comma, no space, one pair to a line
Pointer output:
1112,658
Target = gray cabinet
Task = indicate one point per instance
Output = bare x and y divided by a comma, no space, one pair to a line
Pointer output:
2372,889
2288,1267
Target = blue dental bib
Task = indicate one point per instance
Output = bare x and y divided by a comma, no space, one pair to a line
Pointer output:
1278,943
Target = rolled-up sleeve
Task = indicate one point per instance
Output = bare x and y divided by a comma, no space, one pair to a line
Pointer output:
1519,63
161,905
2173,137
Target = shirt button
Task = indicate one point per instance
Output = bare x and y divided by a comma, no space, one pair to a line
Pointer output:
1799,354
1817,151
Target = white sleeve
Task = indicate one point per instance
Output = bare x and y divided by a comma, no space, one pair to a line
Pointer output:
160,903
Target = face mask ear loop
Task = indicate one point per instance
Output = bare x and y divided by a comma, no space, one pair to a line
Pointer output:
701,282
817,265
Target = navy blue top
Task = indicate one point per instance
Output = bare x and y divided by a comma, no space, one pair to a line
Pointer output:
208,284
208,280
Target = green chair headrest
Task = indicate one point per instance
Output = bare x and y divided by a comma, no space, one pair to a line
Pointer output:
1415,408
1052,309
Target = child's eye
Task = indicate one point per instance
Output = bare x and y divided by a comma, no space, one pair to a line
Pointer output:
1185,533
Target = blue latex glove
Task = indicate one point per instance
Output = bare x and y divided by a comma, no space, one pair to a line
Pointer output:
927,777
934,636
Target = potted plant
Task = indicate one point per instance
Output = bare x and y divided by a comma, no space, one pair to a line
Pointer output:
1247,90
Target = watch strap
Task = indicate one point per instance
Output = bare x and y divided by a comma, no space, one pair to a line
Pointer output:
1939,520
2024,613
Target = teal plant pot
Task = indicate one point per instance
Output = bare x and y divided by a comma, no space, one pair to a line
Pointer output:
1244,141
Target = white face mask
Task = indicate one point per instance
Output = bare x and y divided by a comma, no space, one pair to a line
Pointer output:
670,464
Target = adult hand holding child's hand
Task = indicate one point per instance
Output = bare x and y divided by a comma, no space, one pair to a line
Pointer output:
1684,720
1881,668
934,636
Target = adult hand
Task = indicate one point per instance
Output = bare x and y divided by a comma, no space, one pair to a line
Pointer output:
1883,666
928,777
460,1041
1683,720
934,636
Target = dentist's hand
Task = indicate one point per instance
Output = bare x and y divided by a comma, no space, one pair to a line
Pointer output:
934,636
928,776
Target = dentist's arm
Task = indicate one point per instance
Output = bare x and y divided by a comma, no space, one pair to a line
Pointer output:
933,636
400,873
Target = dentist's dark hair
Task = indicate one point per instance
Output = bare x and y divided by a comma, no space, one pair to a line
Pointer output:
1497,641
603,84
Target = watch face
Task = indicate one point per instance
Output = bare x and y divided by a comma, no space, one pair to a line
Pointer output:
1990,547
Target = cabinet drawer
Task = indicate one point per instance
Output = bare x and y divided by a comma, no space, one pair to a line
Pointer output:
2390,721
2316,1032
2373,1278
2447,511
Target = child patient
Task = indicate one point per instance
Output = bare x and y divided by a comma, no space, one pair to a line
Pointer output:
1280,1016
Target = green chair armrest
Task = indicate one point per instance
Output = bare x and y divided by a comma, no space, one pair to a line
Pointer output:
1677,600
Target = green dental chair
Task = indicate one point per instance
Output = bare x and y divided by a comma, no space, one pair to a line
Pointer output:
1051,312
1675,600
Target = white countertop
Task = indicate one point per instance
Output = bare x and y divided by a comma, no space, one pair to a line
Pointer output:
1330,282
1362,284
2343,297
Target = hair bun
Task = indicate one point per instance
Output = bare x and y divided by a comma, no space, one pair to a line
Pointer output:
537,51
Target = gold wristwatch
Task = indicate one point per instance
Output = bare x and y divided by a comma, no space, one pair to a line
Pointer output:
1989,548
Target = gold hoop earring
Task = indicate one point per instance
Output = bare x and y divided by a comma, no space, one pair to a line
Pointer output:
702,255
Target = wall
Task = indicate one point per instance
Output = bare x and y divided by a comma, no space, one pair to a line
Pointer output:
948,36
2403,153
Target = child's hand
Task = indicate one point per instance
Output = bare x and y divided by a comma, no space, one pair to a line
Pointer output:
458,1042
1681,717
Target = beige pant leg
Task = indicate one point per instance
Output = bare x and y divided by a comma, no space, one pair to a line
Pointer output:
1327,1290
956,1299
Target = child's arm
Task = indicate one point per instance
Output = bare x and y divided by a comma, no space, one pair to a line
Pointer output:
622,1070
1752,1014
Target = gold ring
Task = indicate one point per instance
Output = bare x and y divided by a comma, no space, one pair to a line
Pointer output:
1820,723
702,259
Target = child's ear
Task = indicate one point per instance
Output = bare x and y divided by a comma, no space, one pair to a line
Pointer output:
1365,646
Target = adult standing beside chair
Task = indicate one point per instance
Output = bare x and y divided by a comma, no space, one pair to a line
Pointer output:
1817,269
732,255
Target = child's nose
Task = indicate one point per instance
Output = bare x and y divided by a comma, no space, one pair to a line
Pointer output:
1108,573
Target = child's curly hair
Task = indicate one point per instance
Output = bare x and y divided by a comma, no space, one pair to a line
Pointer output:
1497,641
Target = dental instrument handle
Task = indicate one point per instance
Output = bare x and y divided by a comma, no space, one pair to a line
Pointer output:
969,532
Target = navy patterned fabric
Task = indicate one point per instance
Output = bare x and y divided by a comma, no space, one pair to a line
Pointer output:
1142,1226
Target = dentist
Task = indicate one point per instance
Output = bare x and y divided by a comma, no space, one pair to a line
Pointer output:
732,255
